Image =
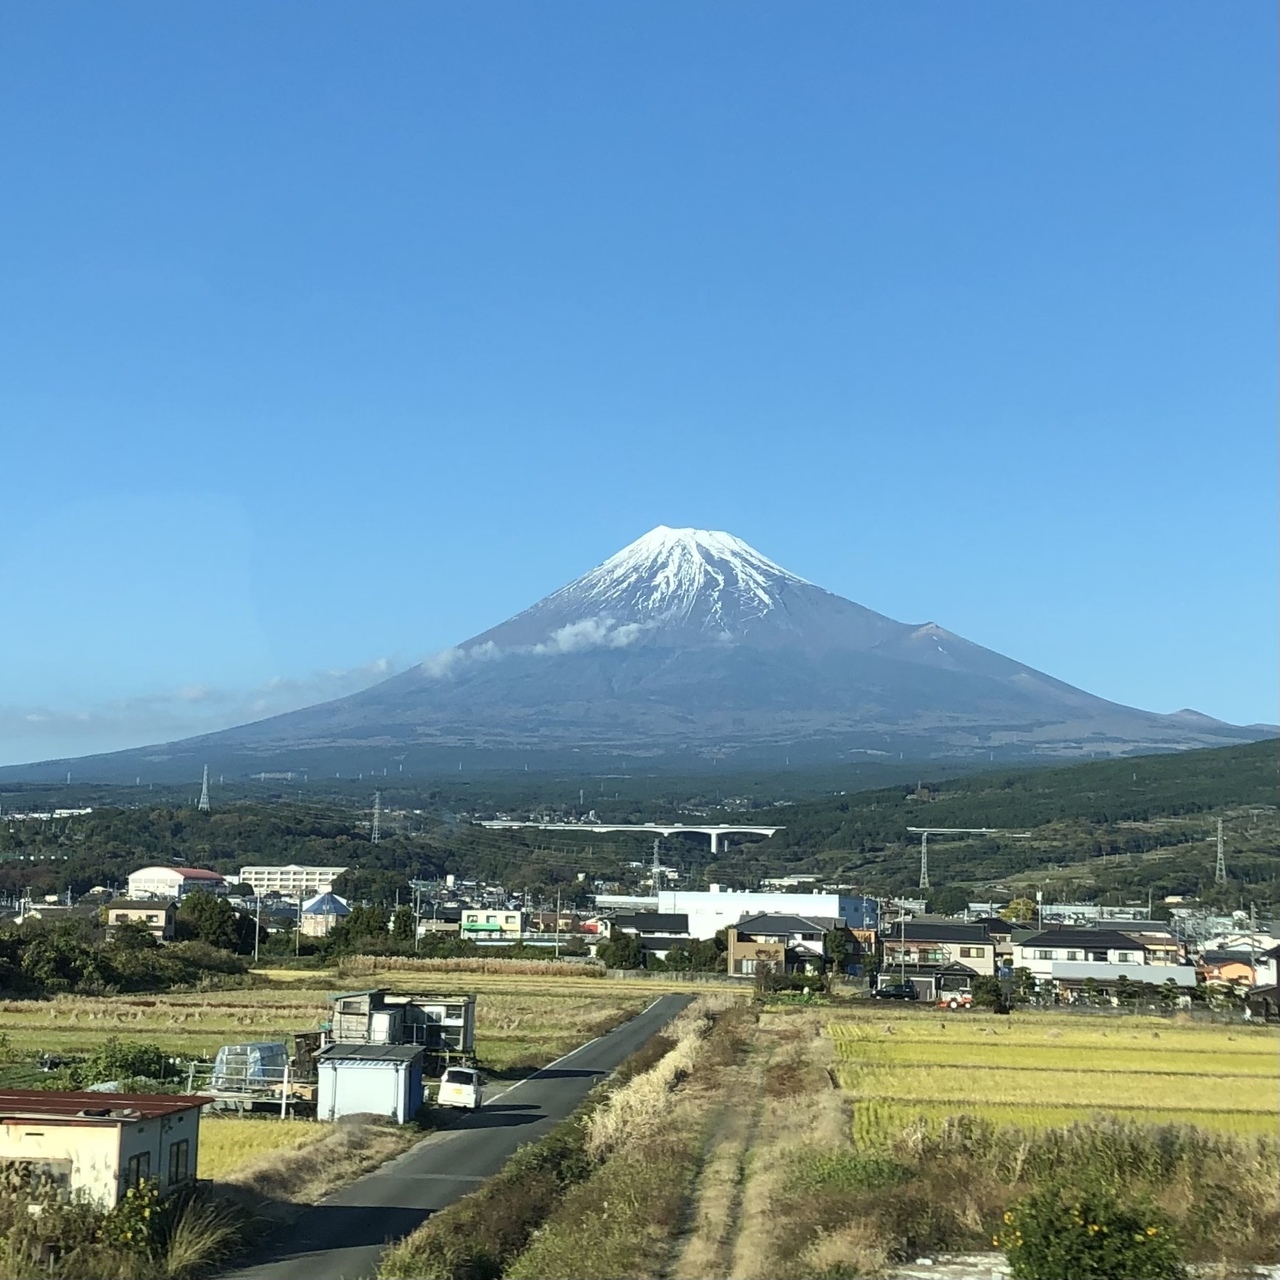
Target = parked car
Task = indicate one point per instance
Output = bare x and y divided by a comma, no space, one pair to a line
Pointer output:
956,1000
460,1087
896,991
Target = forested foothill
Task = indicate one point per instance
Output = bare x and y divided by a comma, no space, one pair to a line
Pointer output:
1106,830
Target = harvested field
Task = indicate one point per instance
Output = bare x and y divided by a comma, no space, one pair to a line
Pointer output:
522,1021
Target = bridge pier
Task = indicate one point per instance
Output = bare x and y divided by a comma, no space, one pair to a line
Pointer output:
715,842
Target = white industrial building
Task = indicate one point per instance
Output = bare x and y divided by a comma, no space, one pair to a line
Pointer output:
99,1145
709,912
290,881
173,882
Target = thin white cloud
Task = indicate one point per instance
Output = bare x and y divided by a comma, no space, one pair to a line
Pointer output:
43,733
573,637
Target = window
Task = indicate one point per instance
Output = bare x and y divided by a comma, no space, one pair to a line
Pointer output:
179,1161
1044,955
747,966
1073,955
971,953
1125,957
491,919
1098,956
138,1170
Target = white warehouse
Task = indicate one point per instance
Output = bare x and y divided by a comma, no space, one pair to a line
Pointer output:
710,912
173,882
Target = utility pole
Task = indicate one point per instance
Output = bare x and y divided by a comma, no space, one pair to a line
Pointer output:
257,923
377,819
203,806
1220,871
557,922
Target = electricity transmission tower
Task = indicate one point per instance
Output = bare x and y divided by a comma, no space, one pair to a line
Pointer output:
203,806
376,835
925,832
1220,871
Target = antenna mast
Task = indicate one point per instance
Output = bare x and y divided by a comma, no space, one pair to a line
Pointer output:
203,806
376,834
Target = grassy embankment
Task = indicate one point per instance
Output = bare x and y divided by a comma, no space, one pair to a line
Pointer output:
746,1153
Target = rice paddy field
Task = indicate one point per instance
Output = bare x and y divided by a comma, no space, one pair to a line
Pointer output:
228,1143
522,1021
1038,1070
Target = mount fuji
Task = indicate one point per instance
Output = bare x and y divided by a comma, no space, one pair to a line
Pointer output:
689,644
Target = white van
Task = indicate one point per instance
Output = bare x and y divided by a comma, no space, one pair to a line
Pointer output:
460,1087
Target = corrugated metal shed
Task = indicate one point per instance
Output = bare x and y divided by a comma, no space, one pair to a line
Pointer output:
369,1079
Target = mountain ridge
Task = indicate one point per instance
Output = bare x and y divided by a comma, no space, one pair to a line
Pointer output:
692,643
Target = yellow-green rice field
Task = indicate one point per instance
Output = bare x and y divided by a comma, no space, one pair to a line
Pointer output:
1038,1070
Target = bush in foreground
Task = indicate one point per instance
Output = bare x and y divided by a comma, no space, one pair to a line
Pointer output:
1088,1235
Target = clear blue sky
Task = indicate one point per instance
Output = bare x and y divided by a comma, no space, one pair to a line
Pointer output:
334,334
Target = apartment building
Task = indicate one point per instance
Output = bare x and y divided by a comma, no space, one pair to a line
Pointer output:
291,881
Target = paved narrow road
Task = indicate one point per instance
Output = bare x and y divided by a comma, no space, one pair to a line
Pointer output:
343,1237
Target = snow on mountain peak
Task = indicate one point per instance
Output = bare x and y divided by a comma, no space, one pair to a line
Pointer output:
701,574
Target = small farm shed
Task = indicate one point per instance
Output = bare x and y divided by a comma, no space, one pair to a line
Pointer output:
98,1145
443,1024
369,1079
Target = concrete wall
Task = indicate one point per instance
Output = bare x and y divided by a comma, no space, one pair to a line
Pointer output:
91,1150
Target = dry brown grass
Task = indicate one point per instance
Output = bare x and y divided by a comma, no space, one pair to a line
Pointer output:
628,1219
808,1112
278,1183
707,1250
640,1106
369,966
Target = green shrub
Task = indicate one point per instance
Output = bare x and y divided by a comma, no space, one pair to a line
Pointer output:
1088,1235
118,1061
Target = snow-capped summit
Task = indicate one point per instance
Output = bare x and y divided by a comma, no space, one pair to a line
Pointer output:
681,587
677,573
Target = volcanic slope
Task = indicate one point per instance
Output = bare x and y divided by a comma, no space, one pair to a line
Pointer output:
691,644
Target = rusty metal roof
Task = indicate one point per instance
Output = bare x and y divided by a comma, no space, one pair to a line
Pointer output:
80,1104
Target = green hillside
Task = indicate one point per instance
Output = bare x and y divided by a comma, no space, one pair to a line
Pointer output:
1100,828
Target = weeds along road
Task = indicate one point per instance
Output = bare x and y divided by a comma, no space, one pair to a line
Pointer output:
343,1237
